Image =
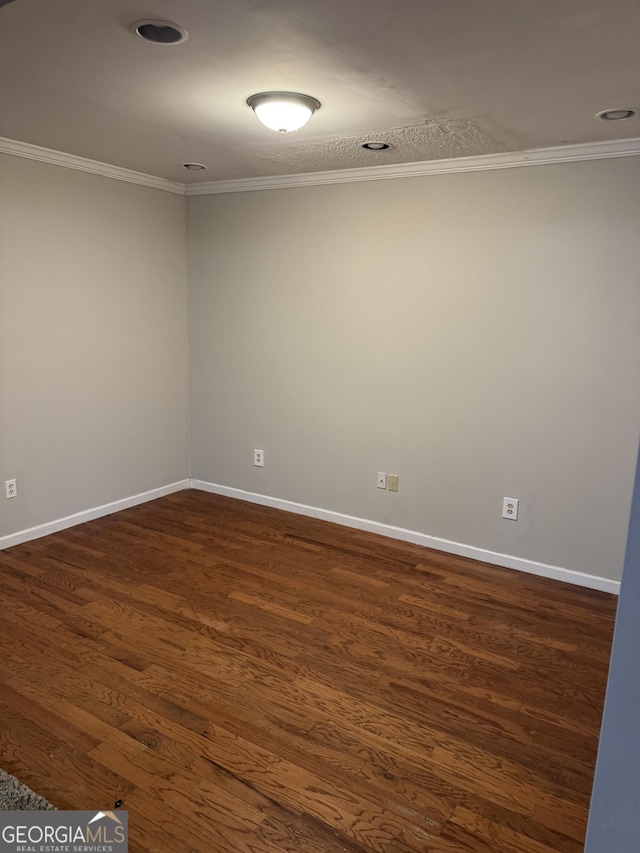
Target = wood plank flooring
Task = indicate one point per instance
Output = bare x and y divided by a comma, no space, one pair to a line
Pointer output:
250,681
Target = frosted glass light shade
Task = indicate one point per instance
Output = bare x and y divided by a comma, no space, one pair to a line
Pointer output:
283,111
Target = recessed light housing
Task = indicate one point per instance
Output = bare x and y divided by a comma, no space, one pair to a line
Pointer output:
283,112
616,114
375,146
195,167
159,32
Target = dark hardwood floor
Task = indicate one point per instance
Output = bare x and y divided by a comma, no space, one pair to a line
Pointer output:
250,681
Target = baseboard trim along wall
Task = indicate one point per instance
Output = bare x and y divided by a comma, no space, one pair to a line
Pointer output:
89,514
505,560
417,538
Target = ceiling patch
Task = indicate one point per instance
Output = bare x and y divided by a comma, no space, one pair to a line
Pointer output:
433,140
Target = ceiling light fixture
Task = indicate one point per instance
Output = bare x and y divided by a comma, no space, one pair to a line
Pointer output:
375,146
159,32
283,111
618,114
195,167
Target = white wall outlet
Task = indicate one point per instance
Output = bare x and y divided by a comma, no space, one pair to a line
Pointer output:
258,458
510,508
392,482
10,489
382,480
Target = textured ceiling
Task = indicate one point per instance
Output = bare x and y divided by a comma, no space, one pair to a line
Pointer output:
433,140
433,79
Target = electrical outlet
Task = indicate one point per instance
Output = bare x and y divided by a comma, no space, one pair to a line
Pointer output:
510,508
382,480
10,489
392,482
258,458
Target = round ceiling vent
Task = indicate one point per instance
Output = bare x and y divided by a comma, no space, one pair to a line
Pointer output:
616,114
159,32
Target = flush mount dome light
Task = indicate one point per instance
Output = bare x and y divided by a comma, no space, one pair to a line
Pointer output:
159,32
283,111
195,167
618,114
375,146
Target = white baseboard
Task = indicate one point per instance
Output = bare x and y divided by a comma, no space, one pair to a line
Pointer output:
89,514
504,560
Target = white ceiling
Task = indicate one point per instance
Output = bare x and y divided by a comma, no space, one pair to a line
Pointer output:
436,78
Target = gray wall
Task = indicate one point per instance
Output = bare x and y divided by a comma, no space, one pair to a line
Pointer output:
614,819
476,334
93,346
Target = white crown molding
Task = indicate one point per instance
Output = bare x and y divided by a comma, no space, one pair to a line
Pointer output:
49,527
484,162
82,164
510,160
505,560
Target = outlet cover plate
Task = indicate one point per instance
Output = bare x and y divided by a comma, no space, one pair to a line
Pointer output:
510,508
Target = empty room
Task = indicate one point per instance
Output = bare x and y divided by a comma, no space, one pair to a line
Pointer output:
319,421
